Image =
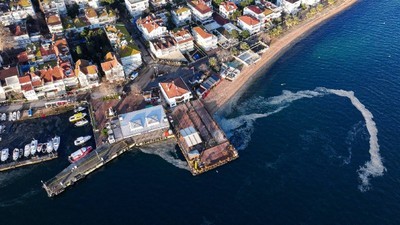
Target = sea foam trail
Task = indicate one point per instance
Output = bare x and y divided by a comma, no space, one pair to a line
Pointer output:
244,124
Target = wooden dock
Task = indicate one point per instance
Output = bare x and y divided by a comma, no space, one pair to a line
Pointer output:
31,161
76,171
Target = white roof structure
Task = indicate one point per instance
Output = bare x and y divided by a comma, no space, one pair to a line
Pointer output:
190,136
143,121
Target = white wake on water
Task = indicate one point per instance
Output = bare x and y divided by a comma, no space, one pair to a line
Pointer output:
244,124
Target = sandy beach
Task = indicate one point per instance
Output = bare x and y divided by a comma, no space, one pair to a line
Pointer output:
227,93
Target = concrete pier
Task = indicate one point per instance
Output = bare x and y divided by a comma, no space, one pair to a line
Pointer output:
31,161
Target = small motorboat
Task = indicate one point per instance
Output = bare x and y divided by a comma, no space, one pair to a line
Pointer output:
34,144
76,117
27,150
14,116
18,115
79,109
81,123
44,147
4,154
49,147
15,154
10,116
3,117
77,155
82,140
56,142
39,147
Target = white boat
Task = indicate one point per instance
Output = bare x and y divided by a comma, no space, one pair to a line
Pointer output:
27,150
18,115
44,147
39,147
3,117
4,154
10,116
34,144
77,155
81,123
82,140
79,109
14,116
49,147
15,154
56,142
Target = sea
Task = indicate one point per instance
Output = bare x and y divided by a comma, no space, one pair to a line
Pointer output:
317,134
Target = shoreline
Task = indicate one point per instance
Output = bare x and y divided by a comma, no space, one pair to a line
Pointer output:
226,94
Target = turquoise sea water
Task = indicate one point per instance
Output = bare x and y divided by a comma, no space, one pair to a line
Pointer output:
302,144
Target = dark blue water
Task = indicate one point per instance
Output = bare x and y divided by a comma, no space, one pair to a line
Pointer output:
302,151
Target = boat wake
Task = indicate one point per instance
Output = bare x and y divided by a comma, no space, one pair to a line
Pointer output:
167,151
243,125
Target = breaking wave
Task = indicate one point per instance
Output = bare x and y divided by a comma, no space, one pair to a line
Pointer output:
167,151
242,126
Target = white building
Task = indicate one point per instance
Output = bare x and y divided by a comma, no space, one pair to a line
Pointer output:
184,40
181,16
20,35
249,23
9,80
112,68
201,10
54,23
87,74
204,39
15,11
82,3
255,12
27,88
227,8
158,3
291,6
175,92
310,2
151,27
53,6
136,7
100,16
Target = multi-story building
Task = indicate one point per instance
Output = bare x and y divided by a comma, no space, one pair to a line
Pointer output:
82,3
53,6
158,3
255,12
87,74
151,27
201,10
291,6
20,35
9,81
136,7
184,40
164,46
181,16
204,39
112,68
14,11
249,23
227,8
100,16
175,92
54,23
27,88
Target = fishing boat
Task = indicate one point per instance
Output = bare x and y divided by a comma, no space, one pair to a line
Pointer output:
33,147
82,140
15,154
4,154
3,117
77,155
14,116
56,142
79,109
18,115
39,147
30,112
76,117
27,150
49,146
81,123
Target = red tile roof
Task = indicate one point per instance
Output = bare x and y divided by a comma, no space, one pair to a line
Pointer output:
176,88
202,32
4,73
111,62
229,6
24,79
249,20
27,87
200,6
255,9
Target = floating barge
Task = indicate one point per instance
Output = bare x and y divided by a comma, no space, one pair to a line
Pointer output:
26,162
201,140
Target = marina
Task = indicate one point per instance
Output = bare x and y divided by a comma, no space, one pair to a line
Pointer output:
29,161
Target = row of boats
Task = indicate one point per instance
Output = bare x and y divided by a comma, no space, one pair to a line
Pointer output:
31,149
12,116
79,117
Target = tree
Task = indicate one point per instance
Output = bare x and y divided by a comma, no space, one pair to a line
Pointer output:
234,34
78,50
236,14
320,7
224,55
108,1
73,11
6,40
245,34
264,37
217,2
244,46
213,61
234,51
303,6
245,3
331,2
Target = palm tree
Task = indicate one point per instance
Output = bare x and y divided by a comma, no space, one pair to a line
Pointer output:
244,46
213,61
320,7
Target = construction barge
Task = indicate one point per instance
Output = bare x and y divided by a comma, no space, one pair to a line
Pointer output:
31,161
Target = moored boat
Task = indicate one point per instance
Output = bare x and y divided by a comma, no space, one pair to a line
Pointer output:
79,109
15,154
4,154
27,150
34,144
18,115
44,147
82,140
3,117
39,147
81,123
14,116
77,155
10,116
76,117
56,142
49,146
